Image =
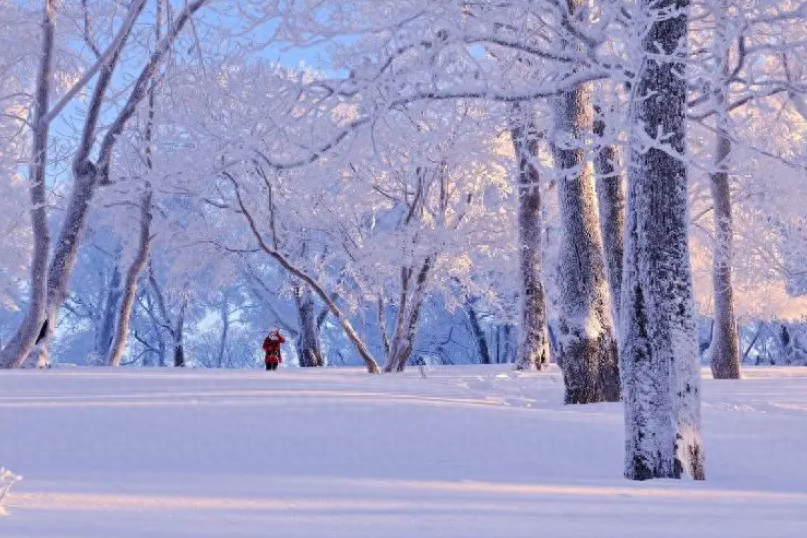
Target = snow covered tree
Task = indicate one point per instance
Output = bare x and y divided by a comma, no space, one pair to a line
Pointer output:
587,347
533,348
658,334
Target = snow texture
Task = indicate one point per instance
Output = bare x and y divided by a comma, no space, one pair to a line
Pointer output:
468,451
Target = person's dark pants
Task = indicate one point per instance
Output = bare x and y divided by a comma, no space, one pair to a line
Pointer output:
271,366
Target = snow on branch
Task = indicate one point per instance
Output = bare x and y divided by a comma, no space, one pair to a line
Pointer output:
7,481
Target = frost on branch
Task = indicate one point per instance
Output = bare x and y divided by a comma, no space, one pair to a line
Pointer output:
7,481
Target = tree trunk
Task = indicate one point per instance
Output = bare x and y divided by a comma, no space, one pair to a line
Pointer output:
382,325
587,348
225,332
310,347
479,335
509,351
106,326
130,288
532,349
66,250
658,332
23,341
403,340
144,243
87,175
724,351
611,199
179,331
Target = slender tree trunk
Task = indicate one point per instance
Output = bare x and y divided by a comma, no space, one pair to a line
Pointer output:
403,340
157,328
724,351
224,313
532,349
725,348
130,288
479,335
611,199
658,333
106,330
382,325
23,341
509,348
310,347
587,347
179,335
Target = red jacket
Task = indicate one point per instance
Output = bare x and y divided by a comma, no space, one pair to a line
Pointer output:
272,348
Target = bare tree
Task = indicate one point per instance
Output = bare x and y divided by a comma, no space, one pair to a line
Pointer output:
118,347
88,175
24,339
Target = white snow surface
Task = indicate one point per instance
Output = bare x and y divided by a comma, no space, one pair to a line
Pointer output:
467,452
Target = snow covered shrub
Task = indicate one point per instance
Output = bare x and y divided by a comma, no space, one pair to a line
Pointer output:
7,480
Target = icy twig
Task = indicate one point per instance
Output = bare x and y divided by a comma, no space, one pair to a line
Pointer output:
7,480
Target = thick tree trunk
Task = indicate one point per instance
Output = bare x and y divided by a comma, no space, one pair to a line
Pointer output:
479,335
658,333
532,349
611,199
23,341
130,288
310,347
587,348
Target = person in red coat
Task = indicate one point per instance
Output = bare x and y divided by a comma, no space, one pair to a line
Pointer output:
271,345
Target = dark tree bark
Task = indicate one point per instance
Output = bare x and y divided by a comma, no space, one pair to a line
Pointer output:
532,349
106,330
179,336
479,335
724,352
658,333
309,346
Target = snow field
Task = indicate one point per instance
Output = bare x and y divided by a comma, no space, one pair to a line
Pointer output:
468,451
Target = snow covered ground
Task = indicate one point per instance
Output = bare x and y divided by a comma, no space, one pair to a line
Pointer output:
466,452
